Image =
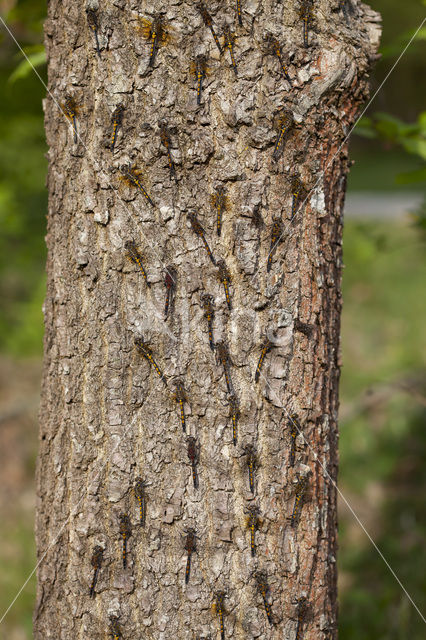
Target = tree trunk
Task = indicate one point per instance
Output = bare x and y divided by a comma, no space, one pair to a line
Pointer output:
107,417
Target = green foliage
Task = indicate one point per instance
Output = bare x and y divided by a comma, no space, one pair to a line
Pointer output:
388,128
404,93
374,604
35,57
382,436
17,559
376,167
396,47
23,203
382,327
412,138
29,13
23,198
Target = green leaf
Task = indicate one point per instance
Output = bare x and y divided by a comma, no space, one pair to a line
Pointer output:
416,146
410,136
26,66
394,48
422,121
365,128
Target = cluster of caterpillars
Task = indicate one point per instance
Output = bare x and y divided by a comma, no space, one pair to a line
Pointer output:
156,31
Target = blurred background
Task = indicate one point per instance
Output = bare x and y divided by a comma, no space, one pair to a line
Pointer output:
383,387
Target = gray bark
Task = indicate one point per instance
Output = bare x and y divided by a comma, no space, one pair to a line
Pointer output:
106,417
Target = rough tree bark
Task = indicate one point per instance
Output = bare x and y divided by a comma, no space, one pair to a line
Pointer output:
106,417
